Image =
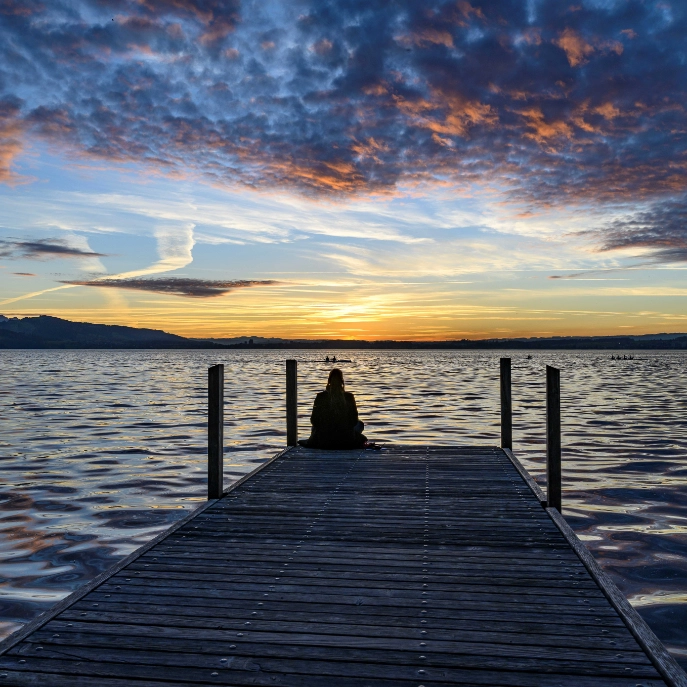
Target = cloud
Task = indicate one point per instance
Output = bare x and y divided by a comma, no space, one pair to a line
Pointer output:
590,275
33,294
24,274
11,138
177,286
42,249
659,232
577,50
174,247
262,218
478,251
549,105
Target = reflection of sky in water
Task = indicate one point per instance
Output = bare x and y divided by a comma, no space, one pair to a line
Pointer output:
102,449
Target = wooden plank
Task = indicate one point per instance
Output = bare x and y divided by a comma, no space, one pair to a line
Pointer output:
209,597
498,574
576,615
558,588
87,634
173,615
368,626
246,670
345,660
608,626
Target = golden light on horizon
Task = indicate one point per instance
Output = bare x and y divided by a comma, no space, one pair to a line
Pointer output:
360,310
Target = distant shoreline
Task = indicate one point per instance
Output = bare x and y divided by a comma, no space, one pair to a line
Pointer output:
339,345
480,344
46,332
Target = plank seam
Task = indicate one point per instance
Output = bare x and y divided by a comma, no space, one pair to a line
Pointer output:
23,632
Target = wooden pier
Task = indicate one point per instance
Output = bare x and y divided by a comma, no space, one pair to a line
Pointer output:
410,566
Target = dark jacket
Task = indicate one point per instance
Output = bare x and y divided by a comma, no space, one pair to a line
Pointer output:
334,424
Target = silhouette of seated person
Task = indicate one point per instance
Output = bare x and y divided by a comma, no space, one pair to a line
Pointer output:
334,419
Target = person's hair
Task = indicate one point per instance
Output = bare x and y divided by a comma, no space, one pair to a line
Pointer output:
335,383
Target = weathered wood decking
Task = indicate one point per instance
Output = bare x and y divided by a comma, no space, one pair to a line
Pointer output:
411,566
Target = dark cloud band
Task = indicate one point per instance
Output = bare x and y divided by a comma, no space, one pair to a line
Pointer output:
659,233
177,286
42,249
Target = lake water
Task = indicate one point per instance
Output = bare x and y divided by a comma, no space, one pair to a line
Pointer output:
101,450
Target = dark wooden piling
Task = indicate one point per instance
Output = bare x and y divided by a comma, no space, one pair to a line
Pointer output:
291,402
215,431
553,438
506,405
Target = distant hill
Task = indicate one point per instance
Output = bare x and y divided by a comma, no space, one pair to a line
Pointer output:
52,332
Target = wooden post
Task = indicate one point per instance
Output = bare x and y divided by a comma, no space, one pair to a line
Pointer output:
291,402
506,406
553,438
215,431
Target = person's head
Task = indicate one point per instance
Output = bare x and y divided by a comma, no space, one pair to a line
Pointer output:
335,383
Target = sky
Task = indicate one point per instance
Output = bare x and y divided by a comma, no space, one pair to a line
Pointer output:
346,168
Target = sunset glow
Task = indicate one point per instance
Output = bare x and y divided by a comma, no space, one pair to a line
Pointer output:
350,170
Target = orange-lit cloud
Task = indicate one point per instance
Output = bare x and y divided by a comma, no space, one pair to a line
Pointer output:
577,50
552,107
541,130
11,134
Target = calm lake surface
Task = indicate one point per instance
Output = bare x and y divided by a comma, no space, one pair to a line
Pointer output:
101,450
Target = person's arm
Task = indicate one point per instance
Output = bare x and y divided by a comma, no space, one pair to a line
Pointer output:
317,411
352,409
